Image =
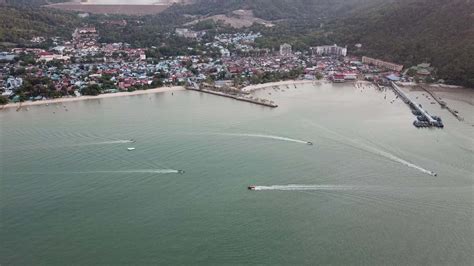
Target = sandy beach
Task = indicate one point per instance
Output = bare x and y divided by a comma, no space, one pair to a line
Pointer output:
101,96
280,83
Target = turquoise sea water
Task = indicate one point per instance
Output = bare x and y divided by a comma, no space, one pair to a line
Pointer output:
71,193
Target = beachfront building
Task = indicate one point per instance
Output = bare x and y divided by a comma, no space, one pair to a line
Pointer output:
330,50
285,50
382,64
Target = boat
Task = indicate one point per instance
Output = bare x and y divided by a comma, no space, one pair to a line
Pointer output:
251,187
132,140
309,143
181,172
130,149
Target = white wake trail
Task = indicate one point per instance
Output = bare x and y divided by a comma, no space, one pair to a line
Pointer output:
133,171
265,137
375,151
305,187
139,171
110,142
400,160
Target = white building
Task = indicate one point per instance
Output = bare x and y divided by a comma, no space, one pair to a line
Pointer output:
46,57
285,50
330,50
186,33
14,83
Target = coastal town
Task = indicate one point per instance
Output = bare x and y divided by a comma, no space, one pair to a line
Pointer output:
83,66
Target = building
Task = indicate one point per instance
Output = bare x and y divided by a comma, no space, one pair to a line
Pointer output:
285,50
47,56
7,56
330,50
186,33
338,78
86,35
382,64
350,76
14,83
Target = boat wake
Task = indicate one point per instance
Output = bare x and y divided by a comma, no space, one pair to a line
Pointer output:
110,142
140,171
366,148
399,160
304,187
136,171
266,137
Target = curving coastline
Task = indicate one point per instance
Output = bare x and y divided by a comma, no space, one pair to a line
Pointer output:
100,96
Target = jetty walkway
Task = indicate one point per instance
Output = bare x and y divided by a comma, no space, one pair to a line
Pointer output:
194,87
425,119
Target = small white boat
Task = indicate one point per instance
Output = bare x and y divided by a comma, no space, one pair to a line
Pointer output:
131,149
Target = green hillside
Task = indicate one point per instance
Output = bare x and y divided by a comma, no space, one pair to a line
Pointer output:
20,24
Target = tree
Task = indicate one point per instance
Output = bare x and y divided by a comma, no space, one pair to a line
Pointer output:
3,100
93,90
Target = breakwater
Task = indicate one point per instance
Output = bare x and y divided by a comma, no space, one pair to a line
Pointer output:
236,97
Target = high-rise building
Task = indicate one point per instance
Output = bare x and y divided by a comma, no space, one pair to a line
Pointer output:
330,50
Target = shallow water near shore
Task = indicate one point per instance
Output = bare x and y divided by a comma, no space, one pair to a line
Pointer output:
71,192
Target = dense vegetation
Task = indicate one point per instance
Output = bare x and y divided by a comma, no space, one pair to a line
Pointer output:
17,25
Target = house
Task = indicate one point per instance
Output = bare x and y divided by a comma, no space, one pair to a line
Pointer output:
7,56
338,78
47,56
350,76
14,83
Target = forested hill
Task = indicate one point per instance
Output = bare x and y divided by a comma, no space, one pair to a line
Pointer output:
281,9
413,31
18,24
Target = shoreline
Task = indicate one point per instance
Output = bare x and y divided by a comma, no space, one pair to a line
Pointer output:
255,87
100,96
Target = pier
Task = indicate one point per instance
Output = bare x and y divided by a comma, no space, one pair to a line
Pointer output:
443,104
424,119
194,87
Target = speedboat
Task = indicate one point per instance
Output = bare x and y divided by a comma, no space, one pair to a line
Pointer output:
132,140
181,172
309,143
251,187
130,149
